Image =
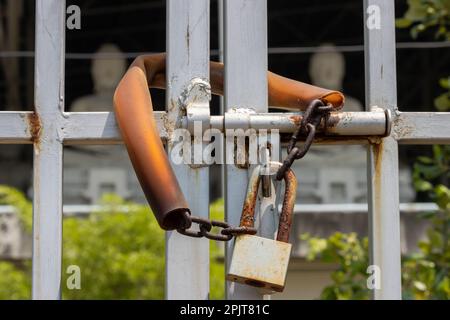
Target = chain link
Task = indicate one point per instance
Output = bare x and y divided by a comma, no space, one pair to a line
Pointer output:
312,117
205,226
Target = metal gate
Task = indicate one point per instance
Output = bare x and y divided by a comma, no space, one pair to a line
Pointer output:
50,128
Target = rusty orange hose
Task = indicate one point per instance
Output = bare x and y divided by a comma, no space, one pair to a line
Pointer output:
134,114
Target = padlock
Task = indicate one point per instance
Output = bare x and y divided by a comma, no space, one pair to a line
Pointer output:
257,261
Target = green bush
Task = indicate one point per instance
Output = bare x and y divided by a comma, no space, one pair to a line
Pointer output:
15,284
351,254
119,250
425,274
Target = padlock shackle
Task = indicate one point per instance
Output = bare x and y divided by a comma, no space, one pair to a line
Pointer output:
248,209
287,210
134,113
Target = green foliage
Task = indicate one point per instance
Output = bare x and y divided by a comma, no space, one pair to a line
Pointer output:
426,14
429,171
15,284
350,253
430,14
217,254
425,274
442,102
119,250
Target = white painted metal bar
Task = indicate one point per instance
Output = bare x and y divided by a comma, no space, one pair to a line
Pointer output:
48,149
187,259
299,209
383,176
422,127
14,127
415,207
99,127
245,44
342,123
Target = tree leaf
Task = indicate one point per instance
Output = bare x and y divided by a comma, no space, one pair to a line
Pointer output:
403,23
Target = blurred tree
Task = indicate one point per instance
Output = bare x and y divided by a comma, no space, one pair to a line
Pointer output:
430,268
431,15
427,14
425,274
119,250
351,255
15,284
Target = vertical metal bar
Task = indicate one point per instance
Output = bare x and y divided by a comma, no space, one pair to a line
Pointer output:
187,259
245,86
48,150
221,140
381,91
220,11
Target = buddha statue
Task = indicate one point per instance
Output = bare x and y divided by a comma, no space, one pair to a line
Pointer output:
327,70
108,66
91,170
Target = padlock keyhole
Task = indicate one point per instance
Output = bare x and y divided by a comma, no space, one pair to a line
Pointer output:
255,283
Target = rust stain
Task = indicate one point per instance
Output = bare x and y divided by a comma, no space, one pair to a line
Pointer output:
378,159
401,129
332,121
296,120
246,163
248,209
35,127
290,193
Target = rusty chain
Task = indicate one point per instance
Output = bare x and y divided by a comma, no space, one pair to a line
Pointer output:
205,226
312,117
315,112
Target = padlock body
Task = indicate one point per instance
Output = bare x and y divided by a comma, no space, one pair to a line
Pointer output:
260,262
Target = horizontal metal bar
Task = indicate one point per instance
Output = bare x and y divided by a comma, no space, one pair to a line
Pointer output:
77,209
216,52
349,208
412,207
422,127
339,123
4,210
14,127
101,127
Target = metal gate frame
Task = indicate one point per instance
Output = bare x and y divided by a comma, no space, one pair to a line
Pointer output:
50,128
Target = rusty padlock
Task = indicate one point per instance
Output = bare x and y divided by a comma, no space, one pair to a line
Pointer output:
257,261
